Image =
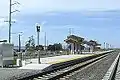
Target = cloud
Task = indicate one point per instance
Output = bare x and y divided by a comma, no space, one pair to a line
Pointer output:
42,6
45,6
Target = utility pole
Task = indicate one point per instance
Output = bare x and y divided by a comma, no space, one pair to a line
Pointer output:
10,20
45,43
70,31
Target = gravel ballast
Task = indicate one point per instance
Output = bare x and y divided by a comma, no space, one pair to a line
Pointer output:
96,71
14,74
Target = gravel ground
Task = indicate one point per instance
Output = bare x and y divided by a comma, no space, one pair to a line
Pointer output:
14,74
96,71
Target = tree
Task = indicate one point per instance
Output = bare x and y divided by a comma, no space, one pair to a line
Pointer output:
30,44
58,46
40,47
54,47
50,47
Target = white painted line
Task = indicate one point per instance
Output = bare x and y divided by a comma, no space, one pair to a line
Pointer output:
109,74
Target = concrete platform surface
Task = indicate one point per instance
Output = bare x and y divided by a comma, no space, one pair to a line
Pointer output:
45,62
35,66
57,59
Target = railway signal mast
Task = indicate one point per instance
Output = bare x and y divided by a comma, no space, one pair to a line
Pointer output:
38,31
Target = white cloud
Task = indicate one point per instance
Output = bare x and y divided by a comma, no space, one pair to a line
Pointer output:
41,6
68,5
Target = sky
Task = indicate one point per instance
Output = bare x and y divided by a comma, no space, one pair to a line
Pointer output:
91,19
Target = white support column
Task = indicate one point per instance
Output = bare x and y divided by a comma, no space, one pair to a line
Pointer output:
76,47
91,48
72,48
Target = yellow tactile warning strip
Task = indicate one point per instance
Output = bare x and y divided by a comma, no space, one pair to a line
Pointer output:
65,59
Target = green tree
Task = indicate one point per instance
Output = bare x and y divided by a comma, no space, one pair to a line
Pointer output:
54,47
40,47
57,46
30,45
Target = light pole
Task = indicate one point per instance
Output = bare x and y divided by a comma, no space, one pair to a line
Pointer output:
38,31
19,43
10,22
19,40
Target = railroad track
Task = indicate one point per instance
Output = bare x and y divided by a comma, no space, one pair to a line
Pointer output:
62,72
111,73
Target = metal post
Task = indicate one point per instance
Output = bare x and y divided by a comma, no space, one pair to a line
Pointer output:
10,21
38,31
47,46
38,50
19,43
38,38
45,42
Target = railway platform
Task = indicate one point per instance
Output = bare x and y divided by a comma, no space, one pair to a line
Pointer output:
47,64
49,61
